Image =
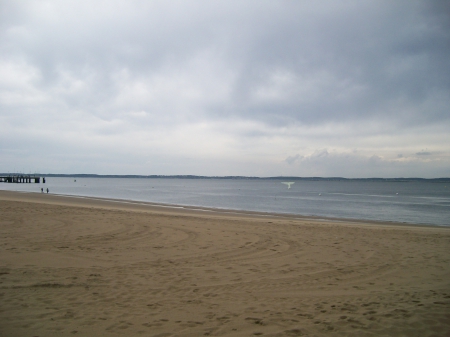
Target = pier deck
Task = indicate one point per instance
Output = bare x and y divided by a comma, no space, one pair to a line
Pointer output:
20,178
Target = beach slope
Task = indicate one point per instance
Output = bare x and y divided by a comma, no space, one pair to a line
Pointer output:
89,267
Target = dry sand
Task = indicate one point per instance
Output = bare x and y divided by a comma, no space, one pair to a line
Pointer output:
83,267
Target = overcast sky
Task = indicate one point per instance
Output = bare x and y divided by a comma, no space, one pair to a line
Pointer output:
258,88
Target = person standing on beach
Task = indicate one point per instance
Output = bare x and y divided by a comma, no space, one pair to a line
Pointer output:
47,190
42,190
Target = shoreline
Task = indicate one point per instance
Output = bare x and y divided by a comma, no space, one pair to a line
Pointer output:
76,266
152,206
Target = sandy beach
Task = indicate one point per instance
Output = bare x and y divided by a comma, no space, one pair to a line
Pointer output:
86,267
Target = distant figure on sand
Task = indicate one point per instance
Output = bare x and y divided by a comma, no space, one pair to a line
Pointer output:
47,190
42,190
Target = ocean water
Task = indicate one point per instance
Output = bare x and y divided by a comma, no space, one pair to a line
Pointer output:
417,202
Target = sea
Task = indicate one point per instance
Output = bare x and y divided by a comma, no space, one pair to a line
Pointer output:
412,202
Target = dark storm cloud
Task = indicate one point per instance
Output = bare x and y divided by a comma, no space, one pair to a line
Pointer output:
368,60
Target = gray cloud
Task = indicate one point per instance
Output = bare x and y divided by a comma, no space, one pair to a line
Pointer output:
366,165
238,82
292,159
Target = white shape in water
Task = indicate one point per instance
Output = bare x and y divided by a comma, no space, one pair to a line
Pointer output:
288,183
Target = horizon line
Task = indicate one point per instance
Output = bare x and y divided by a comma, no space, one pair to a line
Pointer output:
192,176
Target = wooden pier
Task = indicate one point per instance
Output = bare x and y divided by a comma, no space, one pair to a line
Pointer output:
21,179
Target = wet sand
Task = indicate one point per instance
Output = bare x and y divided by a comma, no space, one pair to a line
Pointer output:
87,267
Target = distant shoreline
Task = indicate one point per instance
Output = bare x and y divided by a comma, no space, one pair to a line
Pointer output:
82,175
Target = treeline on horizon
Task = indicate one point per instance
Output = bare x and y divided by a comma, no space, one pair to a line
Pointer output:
78,175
